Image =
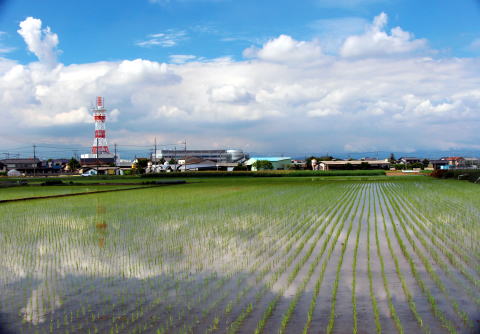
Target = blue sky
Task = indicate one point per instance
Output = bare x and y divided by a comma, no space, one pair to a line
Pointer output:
111,30
265,76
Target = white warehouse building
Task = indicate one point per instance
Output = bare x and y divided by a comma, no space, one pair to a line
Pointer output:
212,155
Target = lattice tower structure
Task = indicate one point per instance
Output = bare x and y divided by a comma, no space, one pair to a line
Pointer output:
100,145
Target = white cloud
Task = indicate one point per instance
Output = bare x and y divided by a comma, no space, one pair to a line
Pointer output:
165,39
333,32
230,94
290,90
3,48
181,59
347,4
376,42
42,42
475,45
284,49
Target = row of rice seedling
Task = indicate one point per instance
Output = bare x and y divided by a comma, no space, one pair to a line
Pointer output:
451,251
237,257
434,248
378,326
286,241
421,283
420,253
270,307
300,288
447,209
342,216
331,321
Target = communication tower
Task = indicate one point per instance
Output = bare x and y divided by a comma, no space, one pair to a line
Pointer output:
100,146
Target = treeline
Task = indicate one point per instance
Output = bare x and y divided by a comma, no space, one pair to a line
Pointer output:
277,173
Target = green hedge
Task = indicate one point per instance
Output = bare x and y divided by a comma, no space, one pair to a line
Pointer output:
459,174
282,173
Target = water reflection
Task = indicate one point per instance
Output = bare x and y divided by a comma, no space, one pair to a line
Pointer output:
80,262
101,224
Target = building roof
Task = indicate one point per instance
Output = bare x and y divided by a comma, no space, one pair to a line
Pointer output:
409,158
271,159
453,158
252,160
355,162
196,160
20,161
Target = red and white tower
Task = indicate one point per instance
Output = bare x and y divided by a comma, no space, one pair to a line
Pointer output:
100,146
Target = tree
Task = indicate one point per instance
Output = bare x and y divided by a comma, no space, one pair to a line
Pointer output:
262,164
392,158
172,161
73,164
161,161
364,165
425,162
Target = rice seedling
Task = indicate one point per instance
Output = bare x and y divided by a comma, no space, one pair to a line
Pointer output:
240,255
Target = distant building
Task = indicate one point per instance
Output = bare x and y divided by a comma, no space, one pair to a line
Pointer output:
279,163
196,164
25,166
472,162
90,160
354,164
212,155
437,164
454,161
409,160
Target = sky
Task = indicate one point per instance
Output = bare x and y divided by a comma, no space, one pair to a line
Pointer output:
263,76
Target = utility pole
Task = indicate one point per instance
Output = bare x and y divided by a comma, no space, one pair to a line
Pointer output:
97,157
34,160
185,155
155,156
115,155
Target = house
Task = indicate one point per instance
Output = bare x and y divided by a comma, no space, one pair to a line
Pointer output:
409,160
454,161
471,162
354,164
299,164
196,164
437,164
25,166
279,163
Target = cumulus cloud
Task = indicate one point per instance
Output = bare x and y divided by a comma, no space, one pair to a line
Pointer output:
231,94
291,97
285,49
376,42
42,42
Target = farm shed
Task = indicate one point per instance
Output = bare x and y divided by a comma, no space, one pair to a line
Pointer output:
279,163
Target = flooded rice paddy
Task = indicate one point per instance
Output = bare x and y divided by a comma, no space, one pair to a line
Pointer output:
244,256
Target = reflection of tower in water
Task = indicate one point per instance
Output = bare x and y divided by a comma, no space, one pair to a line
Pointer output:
100,224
